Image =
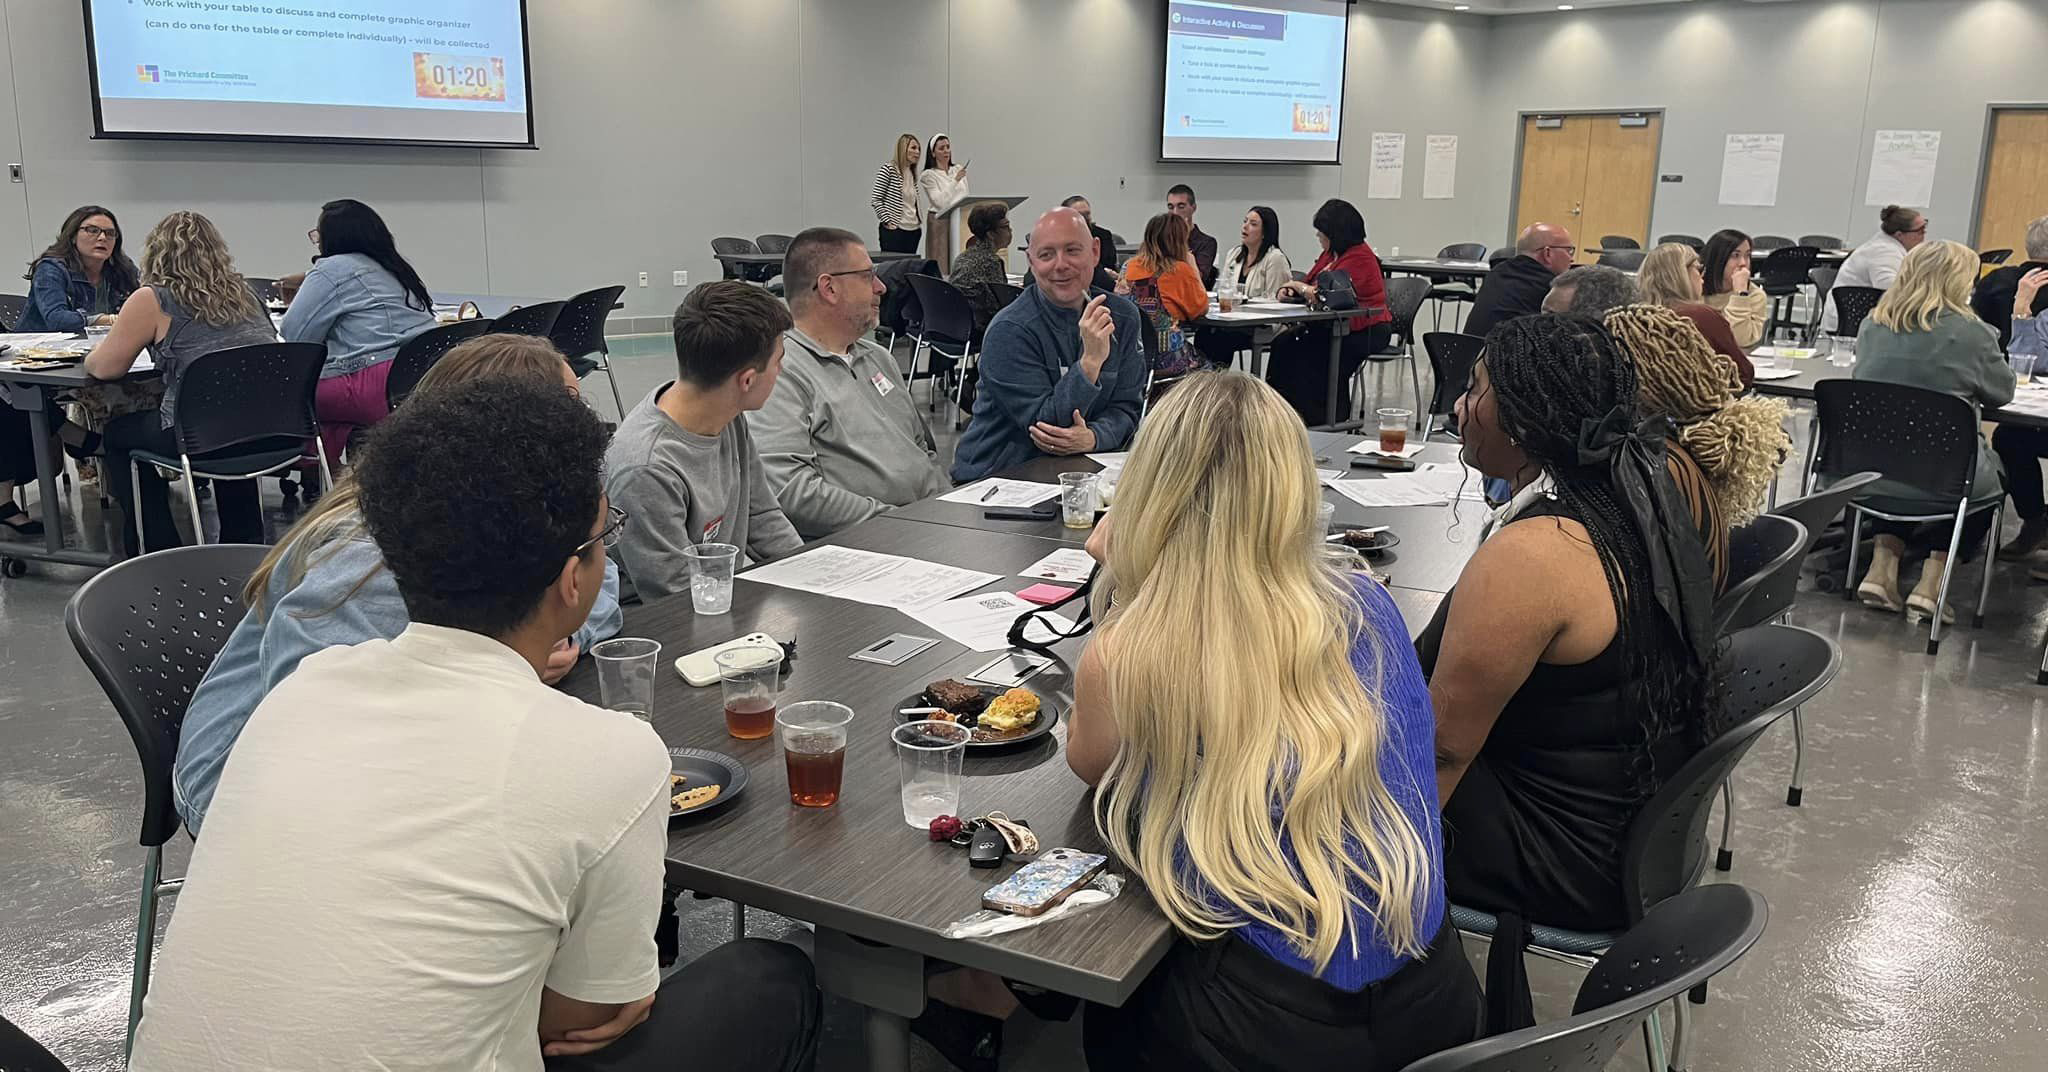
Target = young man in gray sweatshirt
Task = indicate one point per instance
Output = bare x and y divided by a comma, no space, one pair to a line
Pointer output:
840,436
682,464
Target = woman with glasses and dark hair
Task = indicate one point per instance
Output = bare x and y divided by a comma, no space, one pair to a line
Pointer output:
1299,368
324,585
363,300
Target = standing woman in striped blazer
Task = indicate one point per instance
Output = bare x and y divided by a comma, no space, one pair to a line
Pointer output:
895,198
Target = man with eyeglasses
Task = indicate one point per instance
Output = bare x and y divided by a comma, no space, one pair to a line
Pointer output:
419,853
683,463
840,436
1517,286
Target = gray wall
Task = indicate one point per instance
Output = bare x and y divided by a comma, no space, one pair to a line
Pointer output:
665,123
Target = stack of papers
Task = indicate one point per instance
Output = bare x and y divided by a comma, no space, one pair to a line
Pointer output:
1776,373
1796,353
870,577
1070,564
1428,485
2031,400
995,491
1372,446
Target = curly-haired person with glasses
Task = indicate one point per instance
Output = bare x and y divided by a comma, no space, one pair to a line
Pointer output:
419,853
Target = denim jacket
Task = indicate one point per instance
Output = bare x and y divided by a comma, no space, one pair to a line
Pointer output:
59,300
332,605
357,308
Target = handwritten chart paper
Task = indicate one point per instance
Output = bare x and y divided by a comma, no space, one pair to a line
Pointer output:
1389,156
1440,167
1749,169
1902,168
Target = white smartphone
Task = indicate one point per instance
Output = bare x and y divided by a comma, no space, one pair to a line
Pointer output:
698,667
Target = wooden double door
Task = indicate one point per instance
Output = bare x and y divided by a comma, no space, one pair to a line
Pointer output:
2015,180
1593,174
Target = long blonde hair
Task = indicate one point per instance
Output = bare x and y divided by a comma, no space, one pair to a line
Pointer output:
335,517
186,255
1935,277
1666,275
1738,443
905,160
1227,628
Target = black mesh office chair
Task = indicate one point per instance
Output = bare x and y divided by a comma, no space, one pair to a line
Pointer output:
1765,672
773,243
1820,241
148,629
1920,438
1615,241
579,333
536,319
264,289
1453,293
419,353
1852,304
722,248
1781,274
1757,552
1679,946
1405,295
1766,242
1451,357
1504,253
241,413
11,308
945,326
1823,280
20,1053
1696,242
1994,256
1628,260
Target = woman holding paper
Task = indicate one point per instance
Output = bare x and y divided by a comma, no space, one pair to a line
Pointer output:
940,187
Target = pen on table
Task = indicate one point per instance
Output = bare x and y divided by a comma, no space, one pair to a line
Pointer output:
990,493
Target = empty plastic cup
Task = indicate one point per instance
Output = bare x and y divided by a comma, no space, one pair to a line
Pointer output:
929,754
1078,499
711,566
625,674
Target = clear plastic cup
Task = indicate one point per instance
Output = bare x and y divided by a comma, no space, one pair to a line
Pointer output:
1079,499
625,674
748,677
711,566
813,735
2023,368
1326,512
1394,430
929,754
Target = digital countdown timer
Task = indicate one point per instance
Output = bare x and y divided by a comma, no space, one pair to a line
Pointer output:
438,76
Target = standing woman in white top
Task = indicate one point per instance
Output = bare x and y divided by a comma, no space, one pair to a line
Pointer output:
895,198
942,187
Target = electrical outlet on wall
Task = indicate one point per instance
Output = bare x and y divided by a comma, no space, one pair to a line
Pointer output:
643,279
682,279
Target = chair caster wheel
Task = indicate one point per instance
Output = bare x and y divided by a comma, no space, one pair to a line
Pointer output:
1792,797
14,567
1723,860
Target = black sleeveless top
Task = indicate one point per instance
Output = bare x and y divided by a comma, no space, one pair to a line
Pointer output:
1539,821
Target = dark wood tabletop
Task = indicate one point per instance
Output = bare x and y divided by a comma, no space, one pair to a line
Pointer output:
1435,540
858,867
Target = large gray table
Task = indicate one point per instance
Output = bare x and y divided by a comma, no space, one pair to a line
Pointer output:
1435,540
1813,370
1267,322
1438,268
32,391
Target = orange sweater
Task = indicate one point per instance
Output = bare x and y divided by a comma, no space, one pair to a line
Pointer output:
1180,289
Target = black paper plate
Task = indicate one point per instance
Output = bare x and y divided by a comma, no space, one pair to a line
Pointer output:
705,767
1048,714
1381,543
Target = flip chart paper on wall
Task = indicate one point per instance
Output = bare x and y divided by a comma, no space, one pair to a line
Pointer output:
1749,169
1902,168
1389,153
1440,167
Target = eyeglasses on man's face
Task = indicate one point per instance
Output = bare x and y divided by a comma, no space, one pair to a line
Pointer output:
615,526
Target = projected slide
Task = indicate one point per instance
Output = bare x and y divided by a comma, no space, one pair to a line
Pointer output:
1253,82
442,71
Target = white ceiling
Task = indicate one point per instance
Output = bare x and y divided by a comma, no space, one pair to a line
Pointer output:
1535,7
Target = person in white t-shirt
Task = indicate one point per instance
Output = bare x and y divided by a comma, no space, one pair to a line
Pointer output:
420,856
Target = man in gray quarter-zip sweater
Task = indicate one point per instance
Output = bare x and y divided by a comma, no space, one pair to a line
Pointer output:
840,436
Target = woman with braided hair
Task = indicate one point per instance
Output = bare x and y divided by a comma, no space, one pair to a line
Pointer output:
1570,668
1738,442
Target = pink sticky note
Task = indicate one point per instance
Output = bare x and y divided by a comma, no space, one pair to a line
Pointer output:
1045,595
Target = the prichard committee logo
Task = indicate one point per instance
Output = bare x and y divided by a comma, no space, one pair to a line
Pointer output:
148,72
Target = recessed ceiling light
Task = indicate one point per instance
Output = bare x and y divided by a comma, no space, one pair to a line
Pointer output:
1461,7
1564,7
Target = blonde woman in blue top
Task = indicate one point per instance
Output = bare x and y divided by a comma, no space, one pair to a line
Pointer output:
1259,732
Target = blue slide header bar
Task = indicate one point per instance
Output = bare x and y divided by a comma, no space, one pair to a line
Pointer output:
1208,21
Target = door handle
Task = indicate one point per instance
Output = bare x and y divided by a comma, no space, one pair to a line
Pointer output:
1575,208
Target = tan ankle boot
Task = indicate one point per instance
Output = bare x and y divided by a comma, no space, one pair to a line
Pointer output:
1923,596
1880,587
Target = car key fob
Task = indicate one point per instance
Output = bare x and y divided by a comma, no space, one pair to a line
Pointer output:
987,848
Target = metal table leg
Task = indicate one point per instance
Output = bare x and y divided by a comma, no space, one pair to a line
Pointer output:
887,981
32,399
1338,329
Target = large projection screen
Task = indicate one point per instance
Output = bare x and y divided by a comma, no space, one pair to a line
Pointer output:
1253,82
433,72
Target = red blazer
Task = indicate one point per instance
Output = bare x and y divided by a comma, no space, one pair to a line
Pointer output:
1364,267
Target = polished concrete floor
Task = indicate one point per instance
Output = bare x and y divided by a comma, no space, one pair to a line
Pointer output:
1907,930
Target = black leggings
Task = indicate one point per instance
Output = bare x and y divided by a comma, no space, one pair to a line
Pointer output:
2020,451
1298,367
235,501
1223,1005
747,1006
898,240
